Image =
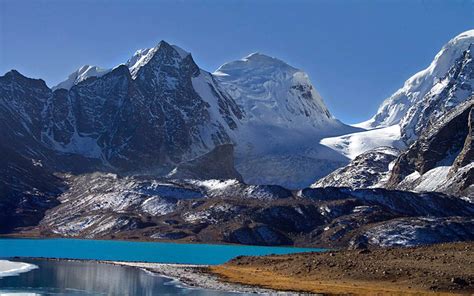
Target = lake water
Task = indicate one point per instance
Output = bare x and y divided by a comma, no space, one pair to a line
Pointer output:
90,278
85,278
134,251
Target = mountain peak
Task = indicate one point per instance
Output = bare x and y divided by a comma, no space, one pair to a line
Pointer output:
256,63
13,73
81,74
395,107
143,56
16,75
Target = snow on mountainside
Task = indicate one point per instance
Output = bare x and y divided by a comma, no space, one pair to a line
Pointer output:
274,93
442,159
352,145
422,101
139,59
285,118
160,109
394,108
81,74
145,122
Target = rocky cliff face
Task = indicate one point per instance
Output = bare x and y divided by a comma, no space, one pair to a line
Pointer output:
452,89
118,121
27,190
144,119
441,159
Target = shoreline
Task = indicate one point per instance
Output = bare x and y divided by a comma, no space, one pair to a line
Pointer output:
442,269
189,276
194,277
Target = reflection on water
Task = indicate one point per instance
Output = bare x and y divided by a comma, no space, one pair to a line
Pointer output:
90,278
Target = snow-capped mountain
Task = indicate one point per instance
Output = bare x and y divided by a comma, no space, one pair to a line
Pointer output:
159,109
277,141
430,93
274,94
441,160
424,99
145,150
163,112
262,105
394,108
139,59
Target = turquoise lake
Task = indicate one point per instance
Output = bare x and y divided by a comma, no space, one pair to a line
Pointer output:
135,251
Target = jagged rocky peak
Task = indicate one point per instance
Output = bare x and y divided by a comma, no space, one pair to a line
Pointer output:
217,164
172,112
443,84
138,60
164,54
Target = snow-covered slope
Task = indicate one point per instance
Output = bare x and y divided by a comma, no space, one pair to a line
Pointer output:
352,145
81,74
285,118
424,99
393,109
273,93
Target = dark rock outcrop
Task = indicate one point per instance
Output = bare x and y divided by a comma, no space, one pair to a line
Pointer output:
446,143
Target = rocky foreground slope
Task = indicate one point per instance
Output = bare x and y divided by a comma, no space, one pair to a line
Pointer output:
230,211
444,269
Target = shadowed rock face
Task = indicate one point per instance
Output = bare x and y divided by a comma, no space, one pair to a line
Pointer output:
217,164
117,122
27,190
447,143
466,156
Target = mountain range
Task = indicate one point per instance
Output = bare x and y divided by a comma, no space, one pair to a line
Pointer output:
158,148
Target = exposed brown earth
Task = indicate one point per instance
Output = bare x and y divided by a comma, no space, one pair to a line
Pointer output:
443,269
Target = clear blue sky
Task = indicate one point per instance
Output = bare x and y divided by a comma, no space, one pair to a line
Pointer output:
356,52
